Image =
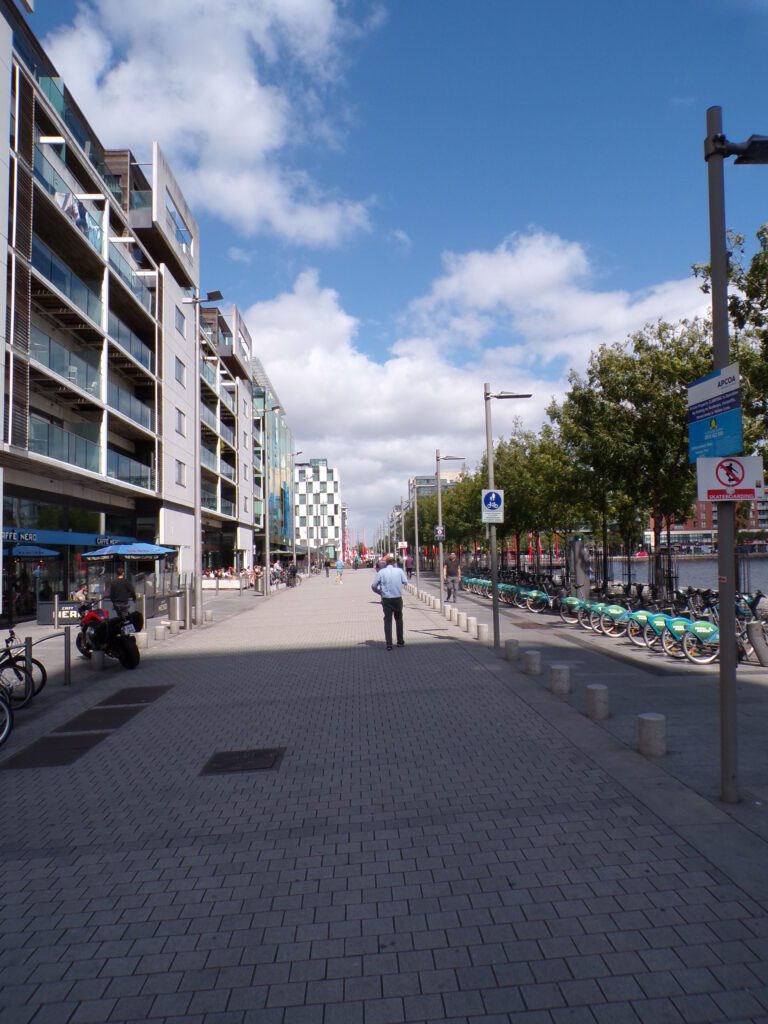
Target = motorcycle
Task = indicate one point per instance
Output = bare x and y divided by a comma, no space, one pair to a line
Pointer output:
115,636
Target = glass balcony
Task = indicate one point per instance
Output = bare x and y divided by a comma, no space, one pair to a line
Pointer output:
207,415
227,507
63,189
58,273
129,471
55,442
132,344
130,278
208,458
73,368
227,470
129,405
208,373
140,200
228,400
227,433
208,499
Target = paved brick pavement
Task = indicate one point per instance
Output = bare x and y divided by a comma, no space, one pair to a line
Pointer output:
437,844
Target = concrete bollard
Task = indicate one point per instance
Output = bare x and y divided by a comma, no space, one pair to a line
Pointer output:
652,734
461,621
597,701
98,661
208,615
446,611
142,641
512,650
174,627
454,612
161,632
560,679
532,662
483,632
472,626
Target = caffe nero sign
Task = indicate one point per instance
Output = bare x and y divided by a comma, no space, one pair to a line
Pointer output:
16,535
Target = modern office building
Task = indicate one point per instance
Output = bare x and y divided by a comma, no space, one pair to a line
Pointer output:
273,464
319,517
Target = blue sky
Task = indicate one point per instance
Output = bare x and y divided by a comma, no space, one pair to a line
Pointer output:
411,197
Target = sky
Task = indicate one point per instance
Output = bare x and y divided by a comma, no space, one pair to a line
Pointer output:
409,198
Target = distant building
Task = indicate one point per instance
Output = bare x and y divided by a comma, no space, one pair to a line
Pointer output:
319,519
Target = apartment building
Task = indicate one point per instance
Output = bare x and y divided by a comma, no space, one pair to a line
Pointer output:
273,465
320,520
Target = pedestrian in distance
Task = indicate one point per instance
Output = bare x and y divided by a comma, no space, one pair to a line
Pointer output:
409,565
389,586
121,592
451,576
340,570
327,568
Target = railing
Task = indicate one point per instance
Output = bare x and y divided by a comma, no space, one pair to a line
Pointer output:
132,344
58,273
130,278
62,361
228,400
208,499
63,189
227,433
129,405
228,471
228,507
207,415
55,442
140,200
129,471
209,374
208,458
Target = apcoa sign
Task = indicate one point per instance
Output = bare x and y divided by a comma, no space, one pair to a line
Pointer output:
734,478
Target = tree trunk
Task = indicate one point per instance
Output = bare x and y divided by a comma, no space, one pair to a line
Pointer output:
605,549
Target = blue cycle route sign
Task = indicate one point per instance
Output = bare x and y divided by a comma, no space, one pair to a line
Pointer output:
714,415
492,506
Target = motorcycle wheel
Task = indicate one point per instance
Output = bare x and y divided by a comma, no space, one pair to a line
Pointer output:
82,646
127,652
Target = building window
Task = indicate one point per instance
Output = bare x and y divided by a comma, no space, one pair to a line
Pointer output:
181,474
180,372
181,423
302,499
302,520
181,323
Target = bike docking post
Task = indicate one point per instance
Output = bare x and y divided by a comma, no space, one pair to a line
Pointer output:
28,654
187,609
67,656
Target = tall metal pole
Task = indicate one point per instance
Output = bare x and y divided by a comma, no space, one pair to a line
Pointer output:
492,526
439,523
402,527
198,496
416,531
267,558
726,561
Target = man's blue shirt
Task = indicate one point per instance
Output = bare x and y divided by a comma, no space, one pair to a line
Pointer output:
389,582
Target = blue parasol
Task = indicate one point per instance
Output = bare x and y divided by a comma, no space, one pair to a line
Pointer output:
33,551
130,551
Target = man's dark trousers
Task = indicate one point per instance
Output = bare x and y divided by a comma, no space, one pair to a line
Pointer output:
393,606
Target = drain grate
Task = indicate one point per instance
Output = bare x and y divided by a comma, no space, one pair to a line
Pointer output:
98,719
225,762
55,751
135,695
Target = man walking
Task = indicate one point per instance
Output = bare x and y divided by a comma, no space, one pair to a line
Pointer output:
339,570
451,576
388,585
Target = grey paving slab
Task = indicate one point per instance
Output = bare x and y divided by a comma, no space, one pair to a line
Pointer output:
441,841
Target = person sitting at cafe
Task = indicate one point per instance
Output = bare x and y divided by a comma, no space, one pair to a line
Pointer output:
81,594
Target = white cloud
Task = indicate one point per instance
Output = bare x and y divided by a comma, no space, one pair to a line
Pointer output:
239,255
226,88
380,420
401,239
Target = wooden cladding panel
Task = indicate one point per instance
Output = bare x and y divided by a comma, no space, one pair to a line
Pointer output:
22,239
26,121
22,308
20,404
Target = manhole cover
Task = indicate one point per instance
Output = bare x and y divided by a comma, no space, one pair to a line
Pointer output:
53,751
135,695
224,762
98,719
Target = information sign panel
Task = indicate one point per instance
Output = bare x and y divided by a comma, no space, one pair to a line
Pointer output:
492,506
714,415
439,533
734,478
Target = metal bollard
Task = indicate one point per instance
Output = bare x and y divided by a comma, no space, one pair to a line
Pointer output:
512,650
98,661
652,734
483,632
532,662
597,701
187,609
143,608
560,679
67,656
472,626
55,611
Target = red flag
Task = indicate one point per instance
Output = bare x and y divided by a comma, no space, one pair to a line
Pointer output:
539,543
515,540
475,547
556,547
530,545
426,551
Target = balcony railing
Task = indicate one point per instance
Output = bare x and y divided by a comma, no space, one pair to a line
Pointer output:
58,273
208,372
228,507
207,415
228,471
140,200
208,499
227,433
62,361
228,400
129,471
130,278
129,405
132,344
208,458
64,189
55,442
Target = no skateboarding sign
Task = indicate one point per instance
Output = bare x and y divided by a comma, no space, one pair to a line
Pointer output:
734,478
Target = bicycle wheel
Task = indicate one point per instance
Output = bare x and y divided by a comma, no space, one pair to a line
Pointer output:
6,720
298,581
635,633
650,636
568,614
699,652
17,683
672,646
596,620
537,602
39,674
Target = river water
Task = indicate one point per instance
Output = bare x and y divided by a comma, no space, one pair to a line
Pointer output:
698,572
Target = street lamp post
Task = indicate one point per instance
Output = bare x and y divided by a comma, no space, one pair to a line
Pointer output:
267,557
197,524
416,532
438,459
753,151
293,510
491,485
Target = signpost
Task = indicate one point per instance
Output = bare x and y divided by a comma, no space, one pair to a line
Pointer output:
439,533
492,506
733,478
714,414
